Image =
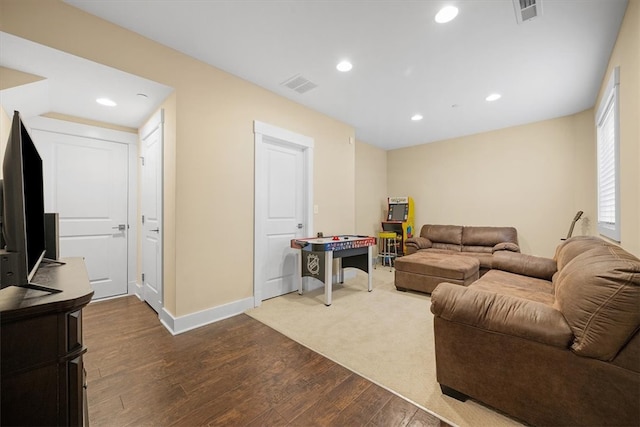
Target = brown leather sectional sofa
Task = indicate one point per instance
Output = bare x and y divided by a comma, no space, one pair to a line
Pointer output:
548,341
478,242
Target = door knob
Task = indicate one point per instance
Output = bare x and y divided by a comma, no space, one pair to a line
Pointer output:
120,227
155,230
300,225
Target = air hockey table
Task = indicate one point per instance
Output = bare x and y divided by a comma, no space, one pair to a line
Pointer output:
316,255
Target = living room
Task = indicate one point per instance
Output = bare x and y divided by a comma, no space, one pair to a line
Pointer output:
533,176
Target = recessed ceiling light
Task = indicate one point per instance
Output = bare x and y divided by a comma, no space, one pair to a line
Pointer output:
344,66
416,117
493,97
446,14
106,102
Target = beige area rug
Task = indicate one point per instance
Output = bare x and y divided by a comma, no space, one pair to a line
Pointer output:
384,335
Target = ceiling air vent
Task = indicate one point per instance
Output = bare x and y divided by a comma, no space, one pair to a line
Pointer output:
526,10
299,84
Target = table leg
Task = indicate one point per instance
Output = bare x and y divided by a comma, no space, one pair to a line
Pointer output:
328,277
298,276
369,267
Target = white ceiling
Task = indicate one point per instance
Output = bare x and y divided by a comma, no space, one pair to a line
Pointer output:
403,62
72,84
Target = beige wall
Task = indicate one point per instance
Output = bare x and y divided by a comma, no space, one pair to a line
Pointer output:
371,188
533,177
11,78
210,162
626,55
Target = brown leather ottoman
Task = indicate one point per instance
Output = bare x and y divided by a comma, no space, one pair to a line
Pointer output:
423,271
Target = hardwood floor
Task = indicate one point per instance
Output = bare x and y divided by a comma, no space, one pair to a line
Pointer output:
236,372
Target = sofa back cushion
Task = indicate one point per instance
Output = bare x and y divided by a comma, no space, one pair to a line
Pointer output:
598,292
571,248
445,235
488,236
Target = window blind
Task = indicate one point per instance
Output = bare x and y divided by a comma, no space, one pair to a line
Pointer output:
607,136
607,167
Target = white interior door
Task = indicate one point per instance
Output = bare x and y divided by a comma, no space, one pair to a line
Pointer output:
284,216
151,140
283,178
86,182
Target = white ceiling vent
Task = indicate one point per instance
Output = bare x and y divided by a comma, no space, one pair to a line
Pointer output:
526,10
299,84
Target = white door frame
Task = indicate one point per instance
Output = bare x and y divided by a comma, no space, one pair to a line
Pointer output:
131,139
260,200
156,121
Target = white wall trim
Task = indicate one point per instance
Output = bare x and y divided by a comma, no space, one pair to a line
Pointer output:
156,121
287,138
152,124
132,223
137,290
282,134
178,325
79,129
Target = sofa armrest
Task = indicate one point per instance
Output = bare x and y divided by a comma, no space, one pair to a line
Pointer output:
504,314
418,242
526,265
506,246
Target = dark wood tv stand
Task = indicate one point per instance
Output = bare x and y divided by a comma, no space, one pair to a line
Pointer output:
42,374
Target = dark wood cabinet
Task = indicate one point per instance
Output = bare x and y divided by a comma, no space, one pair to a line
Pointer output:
42,374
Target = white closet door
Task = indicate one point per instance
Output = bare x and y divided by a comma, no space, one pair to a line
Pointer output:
86,182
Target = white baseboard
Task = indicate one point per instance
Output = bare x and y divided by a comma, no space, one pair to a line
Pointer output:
135,288
178,325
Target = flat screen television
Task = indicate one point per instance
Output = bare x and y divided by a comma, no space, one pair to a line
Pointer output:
23,219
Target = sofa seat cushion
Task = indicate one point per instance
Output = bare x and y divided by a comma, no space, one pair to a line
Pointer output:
478,249
485,258
506,283
440,251
438,265
446,247
502,313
